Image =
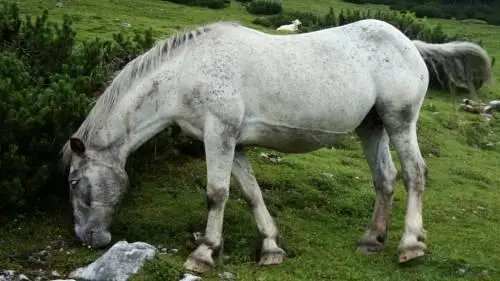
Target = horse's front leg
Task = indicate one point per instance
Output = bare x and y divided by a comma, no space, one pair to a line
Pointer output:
219,148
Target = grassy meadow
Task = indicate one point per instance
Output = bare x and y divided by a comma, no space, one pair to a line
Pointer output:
321,201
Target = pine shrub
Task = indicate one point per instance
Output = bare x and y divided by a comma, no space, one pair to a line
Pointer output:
408,23
486,10
48,81
212,4
264,7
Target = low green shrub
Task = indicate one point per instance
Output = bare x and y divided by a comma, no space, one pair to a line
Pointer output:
264,7
485,10
212,4
48,81
309,20
406,22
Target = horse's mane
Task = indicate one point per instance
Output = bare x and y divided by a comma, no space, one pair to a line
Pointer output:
136,69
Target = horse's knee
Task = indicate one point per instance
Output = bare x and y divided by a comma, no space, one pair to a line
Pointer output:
216,197
385,181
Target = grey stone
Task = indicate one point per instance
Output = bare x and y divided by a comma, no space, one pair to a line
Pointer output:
226,276
23,277
10,275
118,263
190,277
7,275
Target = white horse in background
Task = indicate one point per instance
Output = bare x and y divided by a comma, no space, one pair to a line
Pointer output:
294,27
232,86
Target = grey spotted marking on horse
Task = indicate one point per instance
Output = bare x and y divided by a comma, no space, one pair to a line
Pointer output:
231,86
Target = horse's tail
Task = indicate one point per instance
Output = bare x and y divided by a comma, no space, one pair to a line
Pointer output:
456,64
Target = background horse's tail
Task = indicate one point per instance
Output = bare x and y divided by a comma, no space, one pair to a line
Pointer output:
456,64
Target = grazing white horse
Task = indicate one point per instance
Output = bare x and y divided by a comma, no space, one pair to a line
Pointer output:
231,86
290,27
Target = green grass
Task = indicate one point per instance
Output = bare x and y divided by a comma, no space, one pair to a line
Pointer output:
321,201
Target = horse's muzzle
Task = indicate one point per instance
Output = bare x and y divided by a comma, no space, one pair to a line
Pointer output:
95,239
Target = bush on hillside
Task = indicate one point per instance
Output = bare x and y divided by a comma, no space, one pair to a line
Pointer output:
47,83
264,7
309,20
408,23
212,4
485,10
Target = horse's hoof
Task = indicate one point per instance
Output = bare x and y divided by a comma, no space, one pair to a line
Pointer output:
410,255
197,265
368,249
412,252
272,257
371,244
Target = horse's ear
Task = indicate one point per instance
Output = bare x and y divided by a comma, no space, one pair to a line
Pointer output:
77,146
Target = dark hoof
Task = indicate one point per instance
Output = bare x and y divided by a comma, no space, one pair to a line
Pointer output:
371,244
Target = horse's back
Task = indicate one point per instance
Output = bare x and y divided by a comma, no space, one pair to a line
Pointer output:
295,92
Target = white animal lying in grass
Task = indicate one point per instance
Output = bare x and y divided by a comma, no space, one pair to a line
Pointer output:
290,27
481,108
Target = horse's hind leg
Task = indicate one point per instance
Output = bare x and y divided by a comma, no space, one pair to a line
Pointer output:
376,148
219,143
401,124
242,171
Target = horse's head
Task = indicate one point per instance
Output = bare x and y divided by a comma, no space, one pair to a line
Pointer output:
296,22
96,188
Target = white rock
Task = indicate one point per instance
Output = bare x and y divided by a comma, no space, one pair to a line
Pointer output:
23,277
226,275
121,261
190,277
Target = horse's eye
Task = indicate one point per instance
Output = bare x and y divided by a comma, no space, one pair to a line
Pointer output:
73,183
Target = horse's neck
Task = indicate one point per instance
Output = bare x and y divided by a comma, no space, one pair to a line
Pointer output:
136,118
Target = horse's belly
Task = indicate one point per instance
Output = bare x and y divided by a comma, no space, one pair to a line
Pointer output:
287,139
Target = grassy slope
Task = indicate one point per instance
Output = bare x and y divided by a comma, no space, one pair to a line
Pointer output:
321,201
